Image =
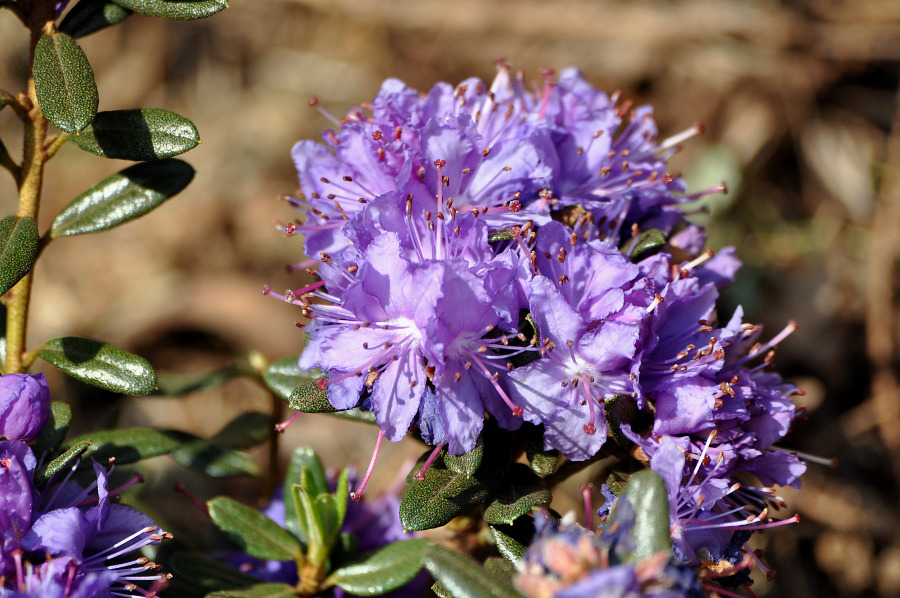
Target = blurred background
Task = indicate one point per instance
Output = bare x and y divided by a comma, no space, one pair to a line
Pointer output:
802,115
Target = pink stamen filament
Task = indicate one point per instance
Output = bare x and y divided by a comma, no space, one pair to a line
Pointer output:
280,428
589,428
358,494
516,410
420,475
180,487
587,495
763,349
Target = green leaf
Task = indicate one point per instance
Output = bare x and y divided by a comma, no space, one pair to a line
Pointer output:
466,464
648,242
217,457
121,197
646,491
176,384
206,574
283,377
54,430
129,445
381,570
89,16
463,577
19,239
520,490
505,538
64,82
543,461
260,590
500,568
100,364
145,134
620,409
253,532
342,495
62,462
309,397
443,495
303,459
174,9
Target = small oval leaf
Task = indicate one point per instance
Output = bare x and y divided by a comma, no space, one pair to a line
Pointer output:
19,239
648,506
520,490
283,376
129,445
381,570
145,134
89,16
64,82
174,9
463,577
253,532
467,463
43,474
122,197
100,364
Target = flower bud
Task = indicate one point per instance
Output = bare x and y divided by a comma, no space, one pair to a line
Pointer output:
24,406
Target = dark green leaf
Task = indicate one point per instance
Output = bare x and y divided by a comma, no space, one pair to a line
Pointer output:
304,458
646,244
356,415
260,590
129,445
207,574
443,495
174,9
505,538
67,459
145,134
468,463
18,246
214,460
253,532
174,384
54,430
64,82
543,461
100,364
502,234
500,568
283,377
310,397
121,197
247,430
646,492
520,490
463,577
89,16
382,570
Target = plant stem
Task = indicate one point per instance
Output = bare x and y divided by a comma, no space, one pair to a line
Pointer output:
30,182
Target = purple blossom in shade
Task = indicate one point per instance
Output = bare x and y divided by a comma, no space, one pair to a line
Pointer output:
567,561
24,406
64,542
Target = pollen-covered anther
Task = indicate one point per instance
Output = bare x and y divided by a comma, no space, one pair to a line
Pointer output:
562,279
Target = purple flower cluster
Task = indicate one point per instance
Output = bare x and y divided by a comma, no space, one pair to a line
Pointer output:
61,540
441,220
566,560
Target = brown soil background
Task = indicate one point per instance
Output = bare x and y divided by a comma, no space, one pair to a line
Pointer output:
800,102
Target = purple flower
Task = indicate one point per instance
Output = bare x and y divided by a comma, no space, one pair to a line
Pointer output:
24,406
63,541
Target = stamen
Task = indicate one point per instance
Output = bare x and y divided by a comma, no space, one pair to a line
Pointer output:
358,494
420,475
